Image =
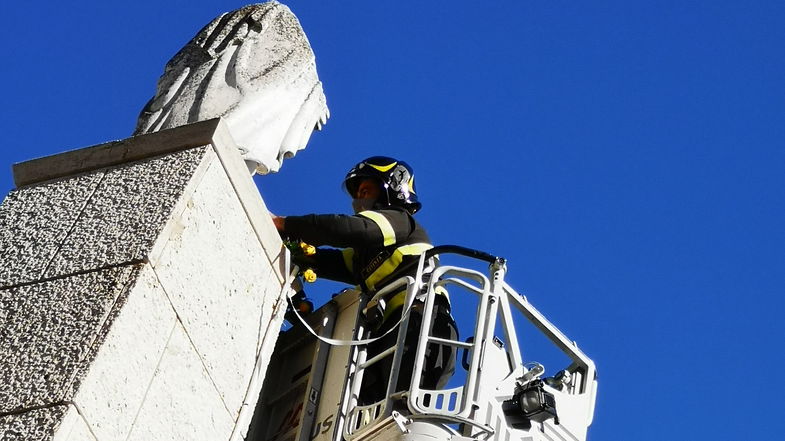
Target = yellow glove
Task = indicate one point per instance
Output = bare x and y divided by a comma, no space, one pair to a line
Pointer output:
309,275
308,250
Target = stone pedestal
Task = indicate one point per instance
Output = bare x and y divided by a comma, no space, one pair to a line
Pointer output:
140,291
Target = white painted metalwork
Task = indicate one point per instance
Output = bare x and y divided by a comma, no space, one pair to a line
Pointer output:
494,401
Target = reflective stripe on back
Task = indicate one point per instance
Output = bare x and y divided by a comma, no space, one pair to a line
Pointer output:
397,301
387,230
392,262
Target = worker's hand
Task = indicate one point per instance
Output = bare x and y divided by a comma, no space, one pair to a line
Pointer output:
278,221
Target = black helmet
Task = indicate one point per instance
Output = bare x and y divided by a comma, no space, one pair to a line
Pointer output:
396,178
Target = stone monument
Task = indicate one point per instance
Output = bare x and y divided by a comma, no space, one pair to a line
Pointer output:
142,286
254,68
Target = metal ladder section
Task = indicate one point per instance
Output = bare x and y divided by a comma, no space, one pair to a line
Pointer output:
361,418
471,404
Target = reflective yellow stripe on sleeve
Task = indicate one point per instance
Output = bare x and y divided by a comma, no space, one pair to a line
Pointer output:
387,230
392,262
348,256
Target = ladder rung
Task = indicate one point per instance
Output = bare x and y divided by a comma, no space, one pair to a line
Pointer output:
445,341
383,354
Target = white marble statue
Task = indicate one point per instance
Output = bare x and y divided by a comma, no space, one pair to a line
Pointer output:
255,68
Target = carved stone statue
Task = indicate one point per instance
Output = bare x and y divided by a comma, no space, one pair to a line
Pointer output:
255,68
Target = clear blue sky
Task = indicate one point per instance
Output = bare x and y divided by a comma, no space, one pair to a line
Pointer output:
626,157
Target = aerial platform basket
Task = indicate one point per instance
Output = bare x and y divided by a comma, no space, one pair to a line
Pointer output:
313,384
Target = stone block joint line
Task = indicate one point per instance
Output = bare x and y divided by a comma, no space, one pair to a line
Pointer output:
38,407
74,223
132,262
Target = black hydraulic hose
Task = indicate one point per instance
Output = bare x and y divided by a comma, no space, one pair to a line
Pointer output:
463,251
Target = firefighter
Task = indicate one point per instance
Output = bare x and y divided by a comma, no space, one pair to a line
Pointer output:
367,248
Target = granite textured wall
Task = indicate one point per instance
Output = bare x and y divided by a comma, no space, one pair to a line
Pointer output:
137,299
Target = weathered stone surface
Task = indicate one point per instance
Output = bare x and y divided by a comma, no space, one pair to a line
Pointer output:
255,68
90,221
49,332
267,341
248,193
126,213
145,301
109,154
38,424
35,220
182,402
222,286
114,388
74,428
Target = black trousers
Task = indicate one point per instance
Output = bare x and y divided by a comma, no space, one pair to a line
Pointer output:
439,364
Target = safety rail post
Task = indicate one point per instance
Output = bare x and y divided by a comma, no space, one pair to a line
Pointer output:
489,320
468,391
360,417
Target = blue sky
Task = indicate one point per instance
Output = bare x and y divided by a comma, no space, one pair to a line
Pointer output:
626,158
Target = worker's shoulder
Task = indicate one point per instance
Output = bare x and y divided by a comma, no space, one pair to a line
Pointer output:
392,214
386,211
393,211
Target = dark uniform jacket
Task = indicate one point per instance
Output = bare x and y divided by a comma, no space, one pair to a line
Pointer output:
374,244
